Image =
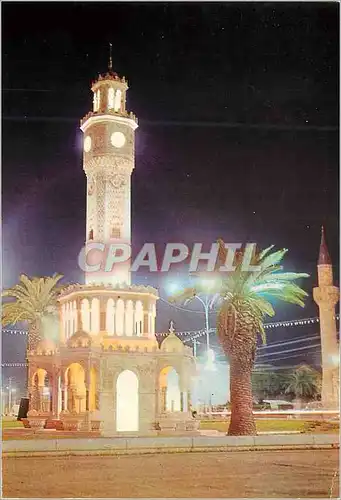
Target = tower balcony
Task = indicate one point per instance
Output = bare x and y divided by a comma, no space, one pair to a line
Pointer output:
110,113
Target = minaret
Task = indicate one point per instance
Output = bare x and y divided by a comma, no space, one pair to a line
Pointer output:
326,296
108,163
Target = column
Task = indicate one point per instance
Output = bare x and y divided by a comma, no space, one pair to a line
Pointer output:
102,314
79,314
163,399
61,323
181,401
124,316
134,319
145,325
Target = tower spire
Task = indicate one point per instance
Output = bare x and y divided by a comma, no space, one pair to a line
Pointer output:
324,257
110,56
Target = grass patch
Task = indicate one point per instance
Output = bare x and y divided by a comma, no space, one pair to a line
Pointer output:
274,425
11,424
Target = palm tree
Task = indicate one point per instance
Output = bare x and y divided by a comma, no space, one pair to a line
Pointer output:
243,302
35,299
304,383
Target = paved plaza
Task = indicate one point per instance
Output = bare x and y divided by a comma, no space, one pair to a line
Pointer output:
269,474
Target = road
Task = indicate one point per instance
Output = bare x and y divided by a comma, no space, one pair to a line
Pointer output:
306,473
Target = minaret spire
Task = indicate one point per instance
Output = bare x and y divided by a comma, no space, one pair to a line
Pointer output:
324,257
110,56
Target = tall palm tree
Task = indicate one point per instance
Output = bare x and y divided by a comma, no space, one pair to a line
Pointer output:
304,383
34,300
243,302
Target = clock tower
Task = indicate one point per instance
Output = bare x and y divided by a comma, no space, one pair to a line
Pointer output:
108,163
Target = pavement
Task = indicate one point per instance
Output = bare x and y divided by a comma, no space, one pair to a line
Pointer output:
256,474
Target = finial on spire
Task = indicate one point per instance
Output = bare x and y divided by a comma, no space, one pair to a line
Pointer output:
171,327
324,257
110,56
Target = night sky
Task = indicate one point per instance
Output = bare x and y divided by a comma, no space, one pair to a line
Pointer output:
238,129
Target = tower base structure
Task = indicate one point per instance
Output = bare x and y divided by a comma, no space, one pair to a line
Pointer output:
107,371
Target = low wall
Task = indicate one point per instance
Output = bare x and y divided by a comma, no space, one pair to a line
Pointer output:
168,444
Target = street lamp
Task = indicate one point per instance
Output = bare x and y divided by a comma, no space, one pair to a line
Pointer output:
205,300
11,390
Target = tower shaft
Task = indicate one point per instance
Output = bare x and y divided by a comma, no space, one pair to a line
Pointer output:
108,164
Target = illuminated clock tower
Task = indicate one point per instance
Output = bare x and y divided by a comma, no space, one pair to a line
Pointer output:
108,163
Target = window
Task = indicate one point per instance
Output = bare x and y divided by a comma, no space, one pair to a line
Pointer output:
118,100
111,98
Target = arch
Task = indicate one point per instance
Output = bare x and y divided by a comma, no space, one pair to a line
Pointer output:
127,402
118,98
95,316
169,387
119,317
75,388
85,311
110,317
111,98
129,316
41,391
139,318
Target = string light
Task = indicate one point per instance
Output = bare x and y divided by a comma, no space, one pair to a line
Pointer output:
14,364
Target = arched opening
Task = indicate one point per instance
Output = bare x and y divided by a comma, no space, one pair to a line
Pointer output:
95,317
129,318
138,318
91,234
111,98
118,98
169,387
41,396
75,397
110,317
120,317
127,402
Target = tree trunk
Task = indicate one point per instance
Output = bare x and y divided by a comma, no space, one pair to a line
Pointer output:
242,421
34,335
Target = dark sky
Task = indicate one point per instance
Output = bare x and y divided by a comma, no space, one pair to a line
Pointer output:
238,137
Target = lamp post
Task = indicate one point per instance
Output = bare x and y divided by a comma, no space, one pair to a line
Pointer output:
11,390
206,301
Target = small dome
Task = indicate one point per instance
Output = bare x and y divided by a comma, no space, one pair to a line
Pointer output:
46,346
172,343
80,339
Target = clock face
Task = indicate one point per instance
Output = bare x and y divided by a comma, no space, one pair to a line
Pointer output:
87,144
118,139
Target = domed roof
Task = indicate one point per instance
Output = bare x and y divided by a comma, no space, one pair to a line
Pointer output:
80,339
46,346
172,343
